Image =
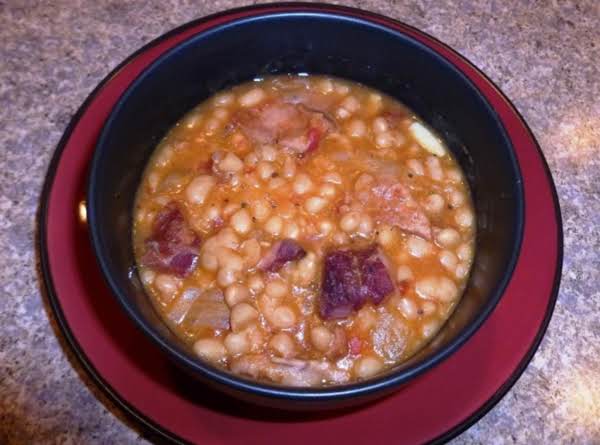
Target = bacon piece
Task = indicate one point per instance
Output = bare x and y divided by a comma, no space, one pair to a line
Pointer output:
375,276
293,126
173,246
280,253
350,279
304,143
313,136
270,121
291,372
391,202
320,120
320,125
311,100
341,288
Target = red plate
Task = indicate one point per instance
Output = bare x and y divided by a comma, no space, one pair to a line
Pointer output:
437,406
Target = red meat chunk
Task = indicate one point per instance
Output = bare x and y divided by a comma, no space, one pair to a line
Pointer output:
270,121
280,253
292,126
350,279
391,202
173,246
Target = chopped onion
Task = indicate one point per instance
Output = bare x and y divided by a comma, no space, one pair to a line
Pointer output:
183,304
426,139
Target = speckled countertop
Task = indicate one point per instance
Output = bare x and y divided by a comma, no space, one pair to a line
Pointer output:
544,55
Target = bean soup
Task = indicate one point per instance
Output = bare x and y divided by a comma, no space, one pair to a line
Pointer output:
303,230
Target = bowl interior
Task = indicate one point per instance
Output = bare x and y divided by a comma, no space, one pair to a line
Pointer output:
320,43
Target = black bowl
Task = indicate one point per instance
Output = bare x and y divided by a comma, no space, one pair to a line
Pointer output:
336,42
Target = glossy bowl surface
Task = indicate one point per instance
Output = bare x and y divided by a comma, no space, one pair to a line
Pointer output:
312,42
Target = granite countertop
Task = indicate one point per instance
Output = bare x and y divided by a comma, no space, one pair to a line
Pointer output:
545,55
